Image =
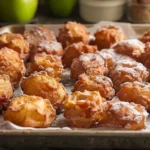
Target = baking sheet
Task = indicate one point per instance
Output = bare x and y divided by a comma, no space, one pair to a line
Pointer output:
132,31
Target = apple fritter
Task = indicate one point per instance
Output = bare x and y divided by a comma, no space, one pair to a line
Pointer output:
123,115
145,37
128,71
73,32
90,64
145,57
30,111
136,92
48,47
131,47
74,51
12,65
15,42
82,109
41,84
38,34
6,90
99,83
106,36
46,62
111,57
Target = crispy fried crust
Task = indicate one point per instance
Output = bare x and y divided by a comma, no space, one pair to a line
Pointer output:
38,34
132,47
50,63
75,50
48,47
145,57
99,83
111,57
128,71
12,65
135,92
41,84
73,32
15,42
91,64
30,111
106,36
82,108
123,115
6,90
146,37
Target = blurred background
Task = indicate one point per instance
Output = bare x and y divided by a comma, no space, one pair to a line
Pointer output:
84,11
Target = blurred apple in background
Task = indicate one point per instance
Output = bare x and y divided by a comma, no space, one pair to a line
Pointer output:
60,8
18,11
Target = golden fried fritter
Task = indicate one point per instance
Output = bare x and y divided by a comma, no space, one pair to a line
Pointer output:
128,71
91,64
99,83
106,36
50,63
111,57
146,37
15,42
41,84
38,34
132,47
73,32
11,65
75,50
6,90
145,57
30,111
123,115
136,92
48,47
81,109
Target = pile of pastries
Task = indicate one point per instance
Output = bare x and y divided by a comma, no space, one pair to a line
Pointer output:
110,72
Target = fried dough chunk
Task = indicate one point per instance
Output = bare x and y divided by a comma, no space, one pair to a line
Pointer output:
145,57
128,71
50,63
106,36
38,34
123,115
15,42
81,109
132,47
73,32
48,47
136,92
12,65
41,84
6,90
111,57
99,83
74,51
30,111
146,37
90,64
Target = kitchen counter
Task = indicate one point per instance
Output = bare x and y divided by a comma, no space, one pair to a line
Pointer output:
42,17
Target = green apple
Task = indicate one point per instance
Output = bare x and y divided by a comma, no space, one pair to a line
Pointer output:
17,10
60,8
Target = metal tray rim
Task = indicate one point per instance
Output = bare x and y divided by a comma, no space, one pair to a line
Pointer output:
74,132
77,132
